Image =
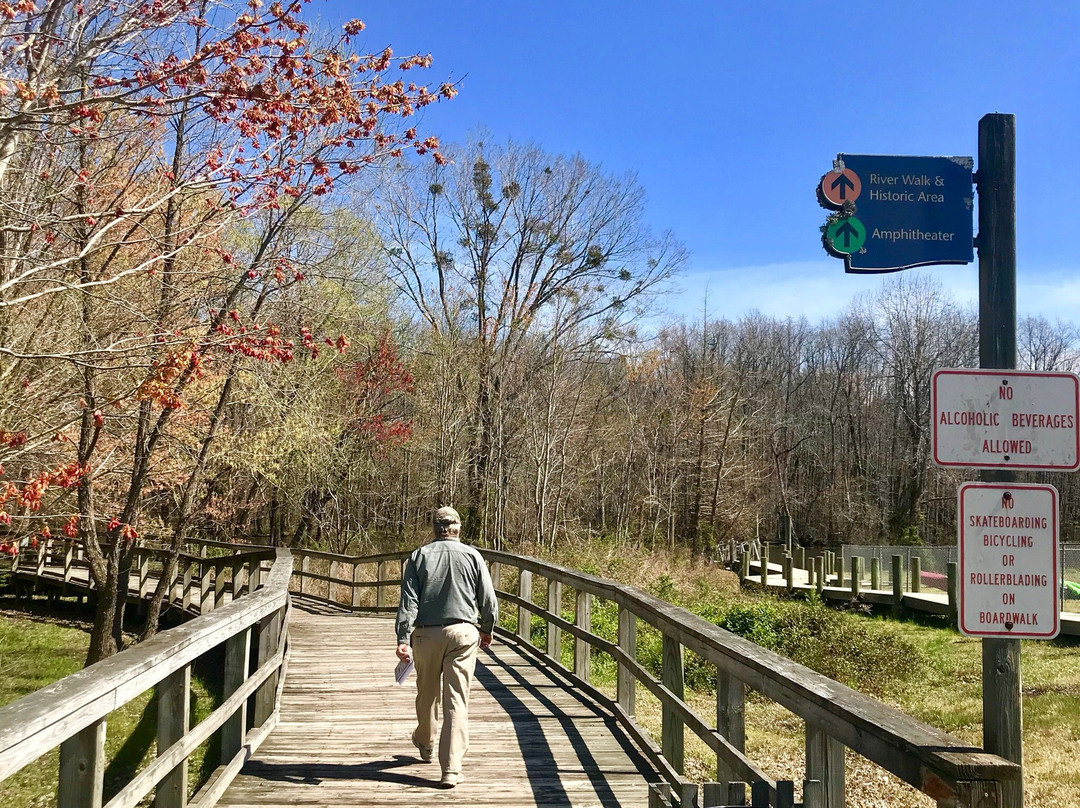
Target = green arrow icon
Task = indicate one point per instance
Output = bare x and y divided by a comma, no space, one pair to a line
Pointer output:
846,235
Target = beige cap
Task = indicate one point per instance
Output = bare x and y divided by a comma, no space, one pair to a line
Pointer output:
446,516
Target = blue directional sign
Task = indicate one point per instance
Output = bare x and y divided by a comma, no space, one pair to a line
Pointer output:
915,211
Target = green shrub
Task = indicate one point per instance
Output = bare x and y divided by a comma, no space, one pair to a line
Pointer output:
862,654
759,622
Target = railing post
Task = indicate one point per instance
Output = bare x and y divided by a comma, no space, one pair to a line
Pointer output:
763,572
744,566
554,633
916,574
219,585
42,552
356,574
659,795
713,794
977,794
382,597
856,575
785,794
144,573
730,717
206,588
820,574
69,550
672,725
875,573
82,768
627,682
173,707
582,619
254,575
688,795
186,596
305,565
812,794
233,731
524,621
825,763
269,634
789,572
237,578
496,575
838,563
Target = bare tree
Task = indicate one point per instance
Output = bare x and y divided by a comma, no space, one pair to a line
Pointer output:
484,249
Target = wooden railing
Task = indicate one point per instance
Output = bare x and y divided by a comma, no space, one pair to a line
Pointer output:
836,718
199,583
72,713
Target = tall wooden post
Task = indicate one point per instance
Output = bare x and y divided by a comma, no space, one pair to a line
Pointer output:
357,576
671,731
825,763
730,718
582,619
996,184
173,709
554,633
626,682
268,632
382,592
82,768
234,730
524,626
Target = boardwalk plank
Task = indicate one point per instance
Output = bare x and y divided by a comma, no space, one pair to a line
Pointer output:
343,737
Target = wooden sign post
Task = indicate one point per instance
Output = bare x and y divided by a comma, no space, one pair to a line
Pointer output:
996,184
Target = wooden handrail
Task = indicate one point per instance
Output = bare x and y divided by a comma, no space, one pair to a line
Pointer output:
72,712
942,766
837,717
54,561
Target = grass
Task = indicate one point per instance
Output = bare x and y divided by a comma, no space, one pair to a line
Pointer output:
36,650
920,666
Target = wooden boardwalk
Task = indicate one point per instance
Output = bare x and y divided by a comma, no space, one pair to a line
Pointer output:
343,738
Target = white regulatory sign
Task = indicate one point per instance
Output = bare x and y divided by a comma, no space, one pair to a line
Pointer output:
1009,576
1005,419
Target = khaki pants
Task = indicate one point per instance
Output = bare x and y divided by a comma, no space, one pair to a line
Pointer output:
449,653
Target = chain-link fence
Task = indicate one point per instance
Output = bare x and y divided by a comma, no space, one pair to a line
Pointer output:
933,560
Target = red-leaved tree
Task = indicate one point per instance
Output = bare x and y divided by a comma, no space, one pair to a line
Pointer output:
136,140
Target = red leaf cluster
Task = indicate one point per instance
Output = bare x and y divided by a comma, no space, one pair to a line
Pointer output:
374,384
30,495
13,440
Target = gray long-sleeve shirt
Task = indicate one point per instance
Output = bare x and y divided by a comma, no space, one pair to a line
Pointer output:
445,582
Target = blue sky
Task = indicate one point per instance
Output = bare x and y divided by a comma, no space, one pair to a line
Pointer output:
729,113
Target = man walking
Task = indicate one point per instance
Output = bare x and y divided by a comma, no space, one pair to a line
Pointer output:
445,586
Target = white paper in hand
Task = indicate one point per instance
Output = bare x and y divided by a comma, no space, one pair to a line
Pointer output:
402,671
